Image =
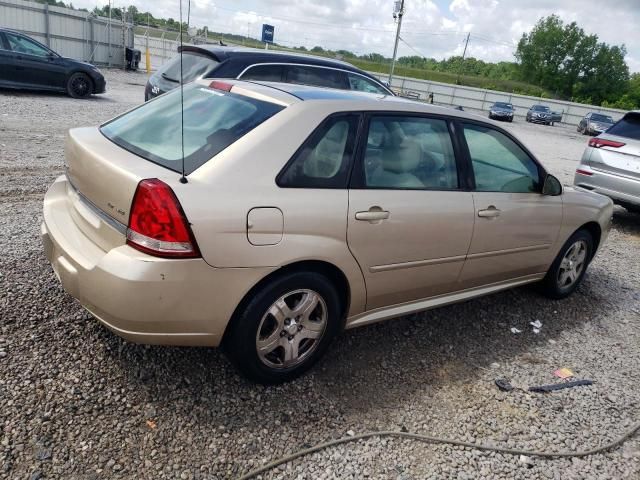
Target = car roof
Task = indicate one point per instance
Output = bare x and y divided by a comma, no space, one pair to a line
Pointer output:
225,52
289,94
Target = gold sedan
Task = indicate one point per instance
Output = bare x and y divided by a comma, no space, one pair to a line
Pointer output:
284,213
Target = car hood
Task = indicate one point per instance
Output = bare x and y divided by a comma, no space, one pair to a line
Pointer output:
501,109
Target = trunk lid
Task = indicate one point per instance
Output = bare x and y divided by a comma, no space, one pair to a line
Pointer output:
624,160
102,181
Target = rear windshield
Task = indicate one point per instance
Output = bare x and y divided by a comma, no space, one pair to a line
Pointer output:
194,66
596,117
213,120
628,126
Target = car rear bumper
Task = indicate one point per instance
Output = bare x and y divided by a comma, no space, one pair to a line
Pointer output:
141,298
620,189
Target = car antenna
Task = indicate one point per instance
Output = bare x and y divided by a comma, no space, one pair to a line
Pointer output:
183,178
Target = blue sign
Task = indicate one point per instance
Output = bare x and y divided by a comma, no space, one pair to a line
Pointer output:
267,33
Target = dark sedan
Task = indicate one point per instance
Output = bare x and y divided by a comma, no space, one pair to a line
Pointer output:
594,123
501,111
540,114
28,64
209,61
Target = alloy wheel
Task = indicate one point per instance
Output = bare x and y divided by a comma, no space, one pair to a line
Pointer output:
291,329
572,264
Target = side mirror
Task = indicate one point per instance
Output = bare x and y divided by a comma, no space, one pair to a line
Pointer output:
552,186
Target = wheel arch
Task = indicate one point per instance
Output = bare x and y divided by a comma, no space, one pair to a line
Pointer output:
332,272
85,73
596,233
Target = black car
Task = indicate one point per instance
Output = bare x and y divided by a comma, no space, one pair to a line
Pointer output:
594,123
540,114
501,111
209,61
26,63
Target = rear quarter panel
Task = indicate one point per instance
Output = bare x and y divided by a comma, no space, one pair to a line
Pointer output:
220,195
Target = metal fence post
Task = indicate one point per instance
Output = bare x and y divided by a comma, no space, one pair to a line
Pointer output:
47,27
92,40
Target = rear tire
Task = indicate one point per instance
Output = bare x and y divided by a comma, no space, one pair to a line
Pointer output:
568,269
284,328
79,85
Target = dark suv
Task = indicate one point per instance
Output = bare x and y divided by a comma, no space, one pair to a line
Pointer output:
209,61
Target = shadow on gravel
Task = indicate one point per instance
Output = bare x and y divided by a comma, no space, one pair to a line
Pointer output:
626,222
43,94
373,367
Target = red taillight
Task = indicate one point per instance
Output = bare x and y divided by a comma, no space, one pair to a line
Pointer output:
218,85
603,142
584,172
157,224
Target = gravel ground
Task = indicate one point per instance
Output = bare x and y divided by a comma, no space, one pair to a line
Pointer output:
78,402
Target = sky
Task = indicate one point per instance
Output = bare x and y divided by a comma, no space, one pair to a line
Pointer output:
430,28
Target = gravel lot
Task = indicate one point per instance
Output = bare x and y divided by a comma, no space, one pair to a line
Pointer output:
78,402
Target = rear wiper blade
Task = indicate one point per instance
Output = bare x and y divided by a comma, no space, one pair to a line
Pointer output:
166,77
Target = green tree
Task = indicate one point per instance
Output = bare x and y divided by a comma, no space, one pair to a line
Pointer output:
564,59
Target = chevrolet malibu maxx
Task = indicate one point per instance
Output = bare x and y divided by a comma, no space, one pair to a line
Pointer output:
291,212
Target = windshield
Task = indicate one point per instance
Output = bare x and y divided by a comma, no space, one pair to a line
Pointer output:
194,65
596,117
540,108
213,120
503,105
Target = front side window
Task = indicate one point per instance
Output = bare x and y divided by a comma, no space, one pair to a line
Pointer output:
409,153
363,84
324,160
20,44
213,120
317,76
499,164
263,73
194,66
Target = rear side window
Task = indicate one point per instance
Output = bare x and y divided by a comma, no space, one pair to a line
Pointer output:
264,73
317,76
363,84
628,127
324,160
194,66
409,153
213,120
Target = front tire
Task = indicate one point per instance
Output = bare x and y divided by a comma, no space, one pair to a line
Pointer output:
79,85
568,269
285,327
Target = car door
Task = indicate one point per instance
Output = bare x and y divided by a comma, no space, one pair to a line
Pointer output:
410,218
36,65
515,224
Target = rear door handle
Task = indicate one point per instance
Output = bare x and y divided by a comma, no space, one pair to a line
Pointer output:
489,212
374,214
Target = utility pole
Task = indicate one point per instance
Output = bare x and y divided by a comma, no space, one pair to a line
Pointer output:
399,12
463,54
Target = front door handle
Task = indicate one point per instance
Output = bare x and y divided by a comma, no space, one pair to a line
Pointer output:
374,214
489,212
